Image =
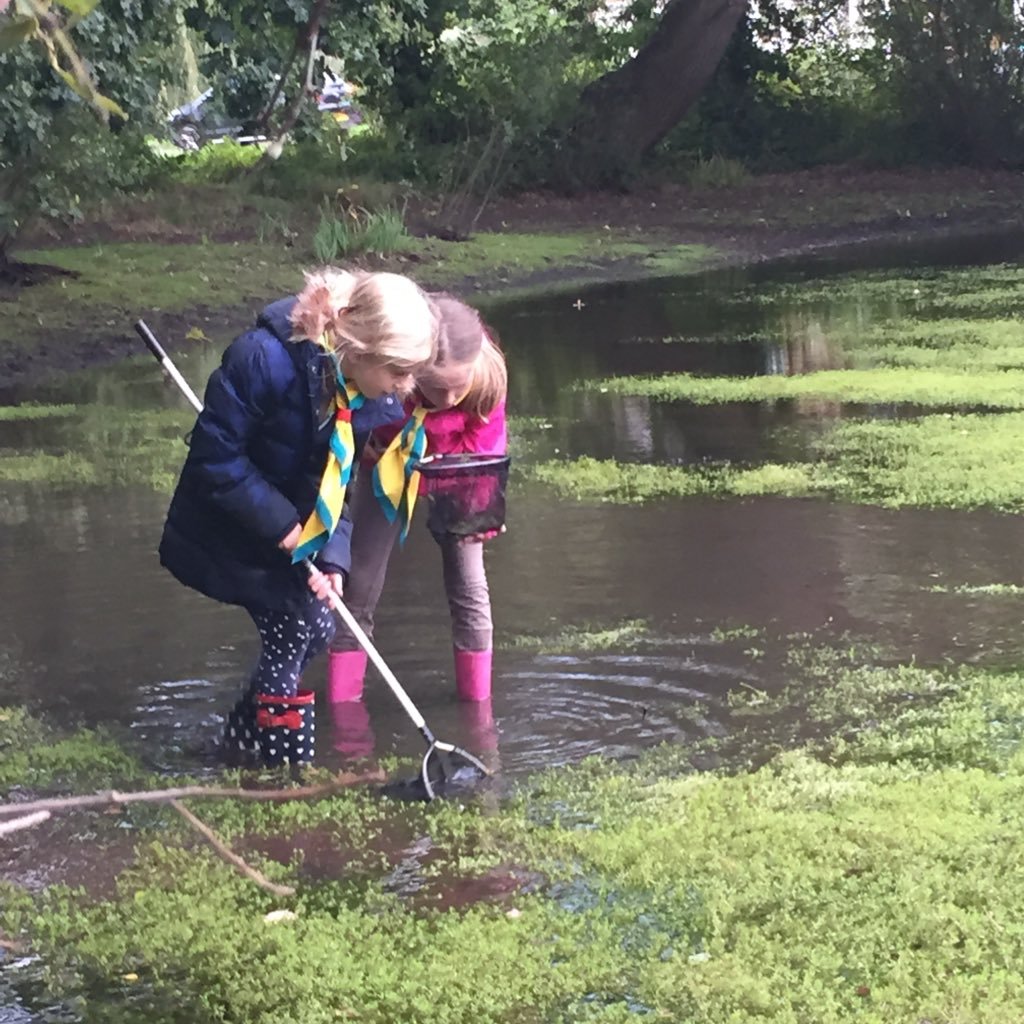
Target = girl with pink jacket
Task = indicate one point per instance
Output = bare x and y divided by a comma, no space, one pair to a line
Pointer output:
460,401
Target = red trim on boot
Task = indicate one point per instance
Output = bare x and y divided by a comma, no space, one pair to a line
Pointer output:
290,719
301,698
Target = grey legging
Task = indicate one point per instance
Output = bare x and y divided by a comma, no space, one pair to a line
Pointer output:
465,581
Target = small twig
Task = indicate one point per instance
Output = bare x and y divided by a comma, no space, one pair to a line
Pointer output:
226,853
13,825
113,798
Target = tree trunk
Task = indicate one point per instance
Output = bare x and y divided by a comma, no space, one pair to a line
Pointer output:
628,111
309,37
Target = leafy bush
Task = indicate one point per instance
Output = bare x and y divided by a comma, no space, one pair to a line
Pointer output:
54,153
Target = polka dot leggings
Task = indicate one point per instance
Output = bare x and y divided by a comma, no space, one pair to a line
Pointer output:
290,641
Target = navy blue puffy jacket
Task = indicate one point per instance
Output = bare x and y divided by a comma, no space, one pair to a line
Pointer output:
255,461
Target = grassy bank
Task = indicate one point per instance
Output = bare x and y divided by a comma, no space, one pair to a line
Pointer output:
865,873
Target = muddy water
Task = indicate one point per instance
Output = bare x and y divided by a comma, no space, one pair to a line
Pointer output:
91,629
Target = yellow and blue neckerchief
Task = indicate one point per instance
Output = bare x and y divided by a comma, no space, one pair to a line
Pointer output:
396,480
330,501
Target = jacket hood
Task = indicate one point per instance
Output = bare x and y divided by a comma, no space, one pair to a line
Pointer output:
276,318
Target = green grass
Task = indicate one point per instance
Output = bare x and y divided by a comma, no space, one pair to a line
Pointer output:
628,483
507,256
28,411
957,343
990,291
936,461
119,282
583,639
866,874
882,386
114,284
36,756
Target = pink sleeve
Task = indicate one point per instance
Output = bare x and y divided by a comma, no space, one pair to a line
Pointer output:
488,436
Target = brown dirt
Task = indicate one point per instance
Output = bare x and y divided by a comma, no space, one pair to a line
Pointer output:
783,214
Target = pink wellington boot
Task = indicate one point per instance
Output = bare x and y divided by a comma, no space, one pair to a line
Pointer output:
473,674
345,672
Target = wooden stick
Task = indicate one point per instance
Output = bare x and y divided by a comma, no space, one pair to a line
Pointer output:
226,853
113,798
14,824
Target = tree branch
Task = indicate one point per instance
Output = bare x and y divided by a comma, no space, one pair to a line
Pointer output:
16,824
310,35
112,798
226,853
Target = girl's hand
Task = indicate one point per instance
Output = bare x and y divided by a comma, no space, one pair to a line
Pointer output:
372,451
479,538
323,583
291,541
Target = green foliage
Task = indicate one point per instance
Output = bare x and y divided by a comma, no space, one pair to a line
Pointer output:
34,756
54,154
718,172
883,385
48,24
248,48
575,639
213,164
480,87
956,72
357,230
868,874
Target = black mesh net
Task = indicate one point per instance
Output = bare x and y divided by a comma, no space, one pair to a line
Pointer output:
465,494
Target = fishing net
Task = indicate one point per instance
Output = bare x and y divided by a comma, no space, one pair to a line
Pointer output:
465,494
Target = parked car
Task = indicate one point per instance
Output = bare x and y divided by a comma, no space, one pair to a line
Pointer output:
204,120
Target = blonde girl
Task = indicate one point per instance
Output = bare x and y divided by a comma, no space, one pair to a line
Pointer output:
265,481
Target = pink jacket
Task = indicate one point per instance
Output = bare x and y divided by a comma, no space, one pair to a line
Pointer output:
451,431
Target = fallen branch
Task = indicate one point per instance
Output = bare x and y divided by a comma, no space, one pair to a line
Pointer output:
226,853
113,798
13,825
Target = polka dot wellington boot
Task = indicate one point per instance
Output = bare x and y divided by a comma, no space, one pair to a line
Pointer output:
285,727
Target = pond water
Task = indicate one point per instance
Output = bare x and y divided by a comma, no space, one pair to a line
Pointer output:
93,630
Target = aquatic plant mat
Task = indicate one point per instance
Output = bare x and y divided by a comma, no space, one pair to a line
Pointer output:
860,865
895,388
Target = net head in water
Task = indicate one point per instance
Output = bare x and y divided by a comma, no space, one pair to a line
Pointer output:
463,780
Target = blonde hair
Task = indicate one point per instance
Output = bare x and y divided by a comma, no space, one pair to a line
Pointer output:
490,380
464,337
383,318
